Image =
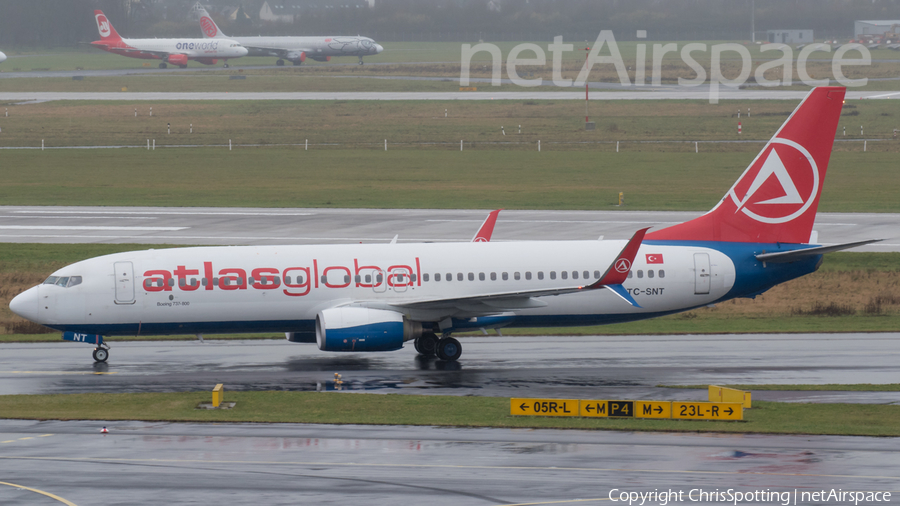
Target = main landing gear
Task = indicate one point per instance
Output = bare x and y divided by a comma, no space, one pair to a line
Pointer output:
280,63
360,60
446,349
162,65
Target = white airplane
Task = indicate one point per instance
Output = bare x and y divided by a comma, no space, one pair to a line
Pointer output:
376,297
174,51
2,57
296,49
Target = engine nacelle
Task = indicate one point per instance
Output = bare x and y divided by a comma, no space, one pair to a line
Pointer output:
178,59
363,329
296,56
208,61
321,58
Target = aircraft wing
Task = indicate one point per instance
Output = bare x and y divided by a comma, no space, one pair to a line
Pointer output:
612,279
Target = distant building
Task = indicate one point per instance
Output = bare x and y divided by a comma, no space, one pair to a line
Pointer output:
876,27
267,14
790,36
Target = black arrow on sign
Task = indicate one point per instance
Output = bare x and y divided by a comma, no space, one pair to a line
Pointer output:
523,406
729,411
659,410
589,408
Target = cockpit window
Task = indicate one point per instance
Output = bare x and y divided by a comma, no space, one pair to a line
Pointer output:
63,281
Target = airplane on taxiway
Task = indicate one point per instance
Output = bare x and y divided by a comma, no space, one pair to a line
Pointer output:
376,297
2,57
296,49
174,51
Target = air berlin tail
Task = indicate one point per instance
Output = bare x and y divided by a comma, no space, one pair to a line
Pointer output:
776,198
105,27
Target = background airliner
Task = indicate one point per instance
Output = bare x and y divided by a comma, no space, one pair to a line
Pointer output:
376,297
296,49
174,51
2,57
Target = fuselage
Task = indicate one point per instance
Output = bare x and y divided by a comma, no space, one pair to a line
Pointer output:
282,288
2,57
193,49
312,46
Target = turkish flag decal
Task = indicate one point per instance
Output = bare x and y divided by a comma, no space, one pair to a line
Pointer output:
654,258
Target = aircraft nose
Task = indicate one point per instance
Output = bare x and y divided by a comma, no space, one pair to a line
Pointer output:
378,48
243,51
26,304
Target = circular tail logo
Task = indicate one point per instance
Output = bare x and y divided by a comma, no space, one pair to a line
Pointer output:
622,265
103,25
208,26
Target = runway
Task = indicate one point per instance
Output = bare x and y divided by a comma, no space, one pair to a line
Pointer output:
248,226
164,463
664,94
614,367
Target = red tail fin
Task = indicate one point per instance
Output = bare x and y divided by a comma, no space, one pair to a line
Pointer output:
105,27
776,198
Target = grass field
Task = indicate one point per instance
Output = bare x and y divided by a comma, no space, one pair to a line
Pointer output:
831,387
851,292
373,409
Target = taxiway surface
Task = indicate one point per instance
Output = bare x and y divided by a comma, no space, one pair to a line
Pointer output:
613,367
256,226
163,463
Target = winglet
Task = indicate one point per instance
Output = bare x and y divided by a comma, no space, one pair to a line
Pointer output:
618,271
623,294
487,228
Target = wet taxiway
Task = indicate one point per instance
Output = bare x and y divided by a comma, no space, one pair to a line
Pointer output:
163,463
239,226
624,367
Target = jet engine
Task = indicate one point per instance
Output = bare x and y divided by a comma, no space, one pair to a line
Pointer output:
206,61
296,56
178,59
321,58
363,329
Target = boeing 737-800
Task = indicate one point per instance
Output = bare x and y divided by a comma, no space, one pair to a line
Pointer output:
296,49
376,297
174,51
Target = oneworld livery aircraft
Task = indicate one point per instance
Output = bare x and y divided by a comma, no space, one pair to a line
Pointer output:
296,49
174,51
376,297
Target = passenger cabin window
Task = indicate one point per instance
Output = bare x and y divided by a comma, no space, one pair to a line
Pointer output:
662,273
596,274
574,274
564,274
540,274
505,276
650,273
459,276
471,276
552,274
425,277
493,276
480,276
517,276
630,274
437,276
640,274
527,274
586,274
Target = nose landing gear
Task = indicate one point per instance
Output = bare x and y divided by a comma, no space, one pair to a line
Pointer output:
101,354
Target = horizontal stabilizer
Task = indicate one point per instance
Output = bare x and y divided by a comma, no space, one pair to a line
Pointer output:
797,254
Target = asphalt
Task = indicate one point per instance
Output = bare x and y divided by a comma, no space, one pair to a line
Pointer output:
257,226
600,367
164,463
662,94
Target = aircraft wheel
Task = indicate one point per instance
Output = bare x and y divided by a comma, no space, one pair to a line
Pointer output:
449,349
162,65
226,65
297,63
280,63
101,354
427,344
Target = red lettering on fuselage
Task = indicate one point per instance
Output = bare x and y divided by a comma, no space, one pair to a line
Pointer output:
295,281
